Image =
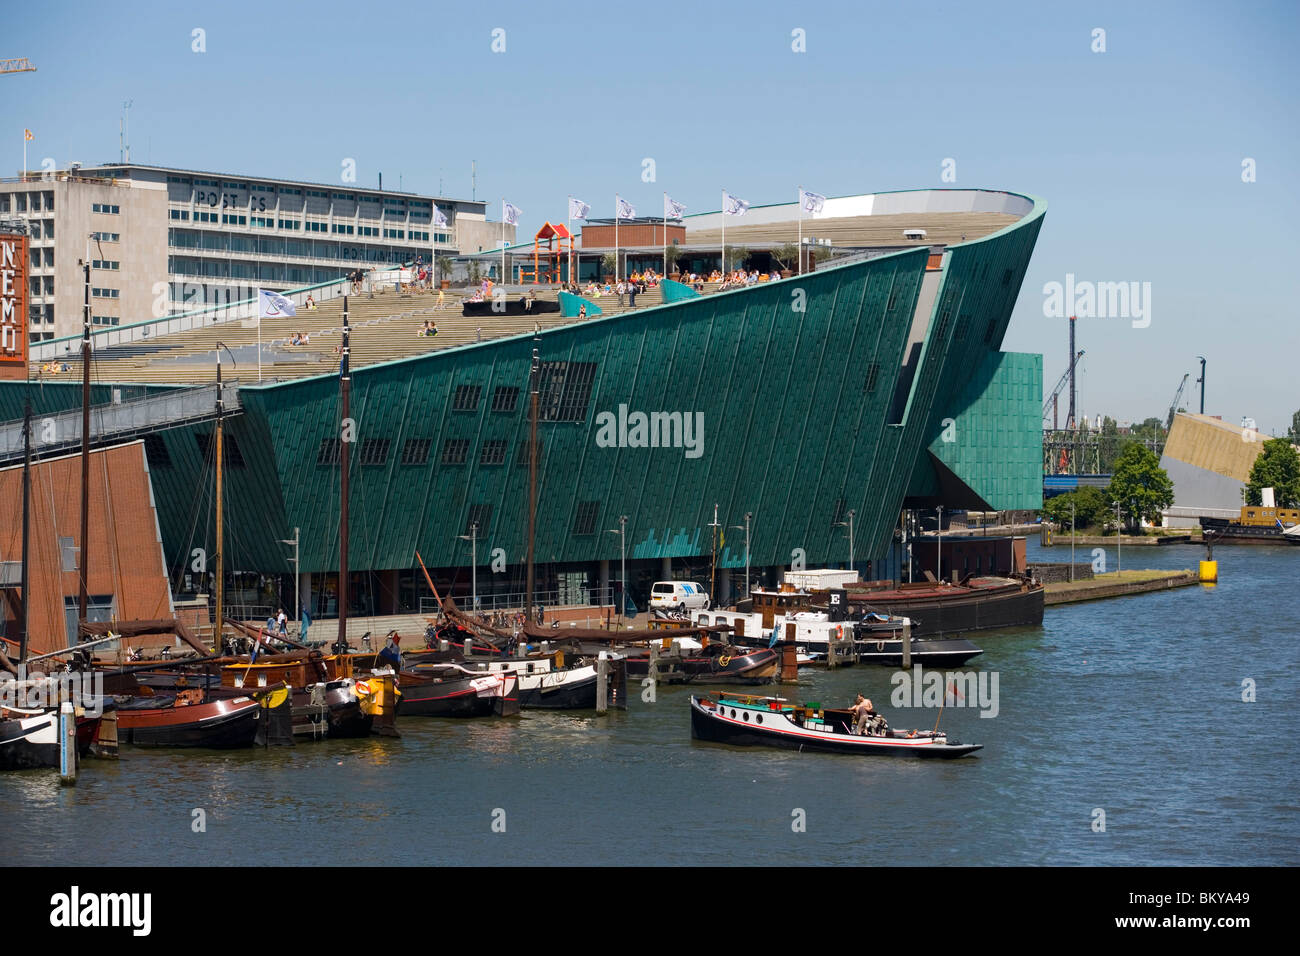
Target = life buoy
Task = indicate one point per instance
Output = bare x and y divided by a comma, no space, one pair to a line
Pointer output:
724,660
362,688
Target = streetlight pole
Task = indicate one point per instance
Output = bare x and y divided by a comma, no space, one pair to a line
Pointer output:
938,554
472,538
1071,539
621,531
297,584
1119,557
848,524
748,516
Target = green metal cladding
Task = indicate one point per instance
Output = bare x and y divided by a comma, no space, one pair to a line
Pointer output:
794,381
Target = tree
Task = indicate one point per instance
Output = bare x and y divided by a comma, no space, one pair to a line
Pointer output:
1139,486
1090,508
786,255
1294,433
673,253
1277,467
610,261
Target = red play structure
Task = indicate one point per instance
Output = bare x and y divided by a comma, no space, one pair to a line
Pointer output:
547,261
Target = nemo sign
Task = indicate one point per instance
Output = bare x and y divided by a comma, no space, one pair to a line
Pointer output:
13,301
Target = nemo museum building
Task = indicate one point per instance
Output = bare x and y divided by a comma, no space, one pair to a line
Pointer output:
696,434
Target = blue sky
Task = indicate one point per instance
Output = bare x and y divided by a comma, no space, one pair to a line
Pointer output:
1138,150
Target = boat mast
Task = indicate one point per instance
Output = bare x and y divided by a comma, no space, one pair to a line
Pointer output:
85,444
27,497
345,394
216,634
533,376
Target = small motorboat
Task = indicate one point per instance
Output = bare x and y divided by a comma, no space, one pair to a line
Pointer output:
714,663
929,651
746,720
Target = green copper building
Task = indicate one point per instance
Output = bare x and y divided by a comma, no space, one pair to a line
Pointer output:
865,387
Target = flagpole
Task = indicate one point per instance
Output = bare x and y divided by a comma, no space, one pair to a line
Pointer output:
665,236
569,221
799,200
503,242
259,336
616,217
722,253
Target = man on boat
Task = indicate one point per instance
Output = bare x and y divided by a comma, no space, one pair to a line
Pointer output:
866,718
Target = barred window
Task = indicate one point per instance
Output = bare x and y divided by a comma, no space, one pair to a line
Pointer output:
990,330
962,321
585,522
454,451
893,299
505,399
374,451
415,451
521,456
493,453
942,326
1006,277
329,452
466,398
839,512
564,391
873,372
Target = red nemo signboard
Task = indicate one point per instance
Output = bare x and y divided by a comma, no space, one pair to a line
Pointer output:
13,301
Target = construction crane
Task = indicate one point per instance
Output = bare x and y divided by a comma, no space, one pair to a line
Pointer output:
1050,403
17,65
1173,406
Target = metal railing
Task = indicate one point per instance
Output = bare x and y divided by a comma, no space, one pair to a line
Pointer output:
115,422
571,597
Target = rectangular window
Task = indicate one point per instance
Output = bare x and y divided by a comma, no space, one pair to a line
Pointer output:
505,398
111,265
415,451
564,391
585,520
263,222
873,372
105,236
105,208
104,293
454,451
68,553
180,214
156,451
329,452
374,451
521,455
290,224
493,453
466,398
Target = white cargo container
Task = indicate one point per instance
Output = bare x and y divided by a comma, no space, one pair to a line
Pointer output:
822,579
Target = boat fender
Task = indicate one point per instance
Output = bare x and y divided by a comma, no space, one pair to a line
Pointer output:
880,645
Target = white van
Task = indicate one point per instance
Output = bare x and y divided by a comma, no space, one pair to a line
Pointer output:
679,596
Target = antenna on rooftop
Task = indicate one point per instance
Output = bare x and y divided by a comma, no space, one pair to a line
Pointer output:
123,145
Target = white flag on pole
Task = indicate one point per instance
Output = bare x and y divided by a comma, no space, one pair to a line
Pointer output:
272,305
439,217
732,206
578,209
672,208
811,202
625,209
510,213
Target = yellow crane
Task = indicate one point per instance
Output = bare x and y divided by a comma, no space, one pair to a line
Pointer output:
17,65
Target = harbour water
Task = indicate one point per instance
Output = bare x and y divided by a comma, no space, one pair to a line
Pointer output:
1130,706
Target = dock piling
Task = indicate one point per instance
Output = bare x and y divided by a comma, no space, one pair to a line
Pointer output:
602,683
67,744
907,646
